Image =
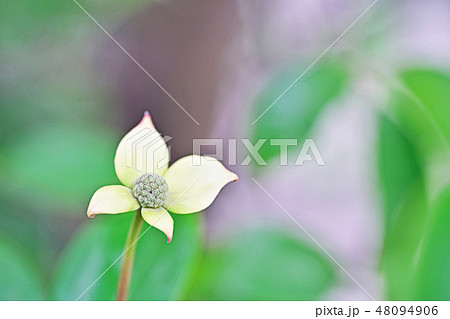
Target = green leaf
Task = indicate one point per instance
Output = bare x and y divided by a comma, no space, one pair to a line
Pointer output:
413,162
58,166
402,243
35,232
433,276
161,271
19,278
295,113
67,17
404,201
399,165
422,109
262,265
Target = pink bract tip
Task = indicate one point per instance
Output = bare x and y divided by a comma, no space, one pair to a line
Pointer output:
147,119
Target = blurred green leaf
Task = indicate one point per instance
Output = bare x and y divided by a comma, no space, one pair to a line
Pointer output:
411,151
19,277
402,189
161,271
262,265
402,243
58,167
25,21
36,233
433,276
422,109
399,166
295,113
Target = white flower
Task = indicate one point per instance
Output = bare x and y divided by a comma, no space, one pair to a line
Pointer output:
190,185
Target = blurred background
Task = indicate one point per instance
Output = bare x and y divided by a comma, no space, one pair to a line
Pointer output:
376,105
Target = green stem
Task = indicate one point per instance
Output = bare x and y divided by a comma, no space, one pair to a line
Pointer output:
128,257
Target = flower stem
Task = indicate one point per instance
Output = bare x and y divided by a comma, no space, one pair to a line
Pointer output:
128,257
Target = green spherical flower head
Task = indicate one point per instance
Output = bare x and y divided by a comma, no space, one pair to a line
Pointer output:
151,190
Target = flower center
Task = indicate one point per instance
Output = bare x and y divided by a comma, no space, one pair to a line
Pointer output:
151,190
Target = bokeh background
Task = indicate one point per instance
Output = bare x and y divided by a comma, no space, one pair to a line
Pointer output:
376,104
